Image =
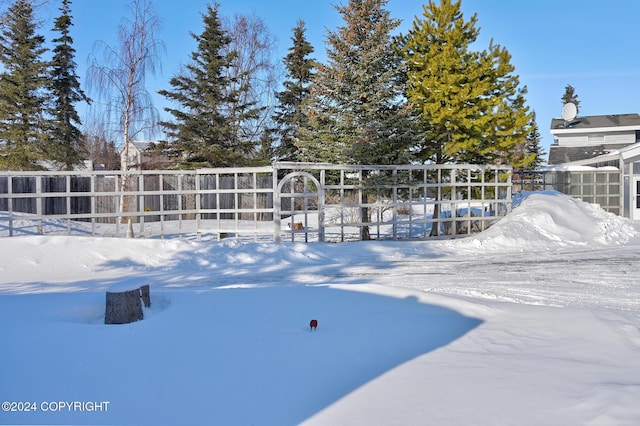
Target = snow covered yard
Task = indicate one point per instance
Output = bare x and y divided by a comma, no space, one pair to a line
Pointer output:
534,321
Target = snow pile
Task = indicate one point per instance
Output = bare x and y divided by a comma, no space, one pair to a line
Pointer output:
468,331
549,218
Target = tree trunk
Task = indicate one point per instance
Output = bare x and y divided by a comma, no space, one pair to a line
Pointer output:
123,307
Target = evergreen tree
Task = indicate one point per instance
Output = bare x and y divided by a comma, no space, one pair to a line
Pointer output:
355,108
570,95
23,95
468,103
289,116
264,152
65,148
202,131
356,111
532,146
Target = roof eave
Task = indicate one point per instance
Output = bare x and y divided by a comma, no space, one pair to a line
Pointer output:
570,130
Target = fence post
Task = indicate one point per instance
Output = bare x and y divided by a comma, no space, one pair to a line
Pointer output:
276,207
198,214
141,204
39,201
10,203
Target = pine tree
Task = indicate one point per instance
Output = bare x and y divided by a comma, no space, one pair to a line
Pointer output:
202,131
532,146
23,95
570,95
468,103
356,111
65,147
289,116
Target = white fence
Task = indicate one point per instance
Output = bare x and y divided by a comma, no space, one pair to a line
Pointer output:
290,201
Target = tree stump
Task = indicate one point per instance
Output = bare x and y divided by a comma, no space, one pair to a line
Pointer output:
124,303
145,295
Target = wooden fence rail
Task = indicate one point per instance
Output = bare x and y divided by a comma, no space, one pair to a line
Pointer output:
296,201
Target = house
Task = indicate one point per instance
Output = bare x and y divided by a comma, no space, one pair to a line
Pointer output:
597,158
142,156
591,136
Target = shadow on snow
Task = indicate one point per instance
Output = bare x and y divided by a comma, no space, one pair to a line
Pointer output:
225,356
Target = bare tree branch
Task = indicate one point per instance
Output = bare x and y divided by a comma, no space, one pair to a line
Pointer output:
117,75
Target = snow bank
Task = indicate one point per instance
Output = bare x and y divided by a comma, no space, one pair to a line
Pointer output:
544,219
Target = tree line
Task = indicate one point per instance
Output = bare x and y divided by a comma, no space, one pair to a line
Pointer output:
379,98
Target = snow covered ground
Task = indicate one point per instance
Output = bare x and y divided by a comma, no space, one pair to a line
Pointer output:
535,321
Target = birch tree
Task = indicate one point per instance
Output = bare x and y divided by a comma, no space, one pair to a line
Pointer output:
117,76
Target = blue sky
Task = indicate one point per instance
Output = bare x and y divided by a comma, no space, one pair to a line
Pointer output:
592,45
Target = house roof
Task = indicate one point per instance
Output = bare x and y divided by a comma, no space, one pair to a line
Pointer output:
598,121
568,154
625,153
593,123
141,145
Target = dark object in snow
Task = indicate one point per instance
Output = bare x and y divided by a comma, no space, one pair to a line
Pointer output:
125,305
313,325
145,294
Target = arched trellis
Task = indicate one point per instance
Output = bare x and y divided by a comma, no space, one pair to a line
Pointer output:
299,197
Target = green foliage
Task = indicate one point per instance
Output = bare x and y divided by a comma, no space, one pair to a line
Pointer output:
356,111
532,146
570,95
65,147
289,116
467,103
23,90
201,128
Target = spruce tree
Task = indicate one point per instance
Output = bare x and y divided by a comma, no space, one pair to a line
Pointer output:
570,95
355,109
356,112
65,148
532,146
201,129
23,94
468,103
289,116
